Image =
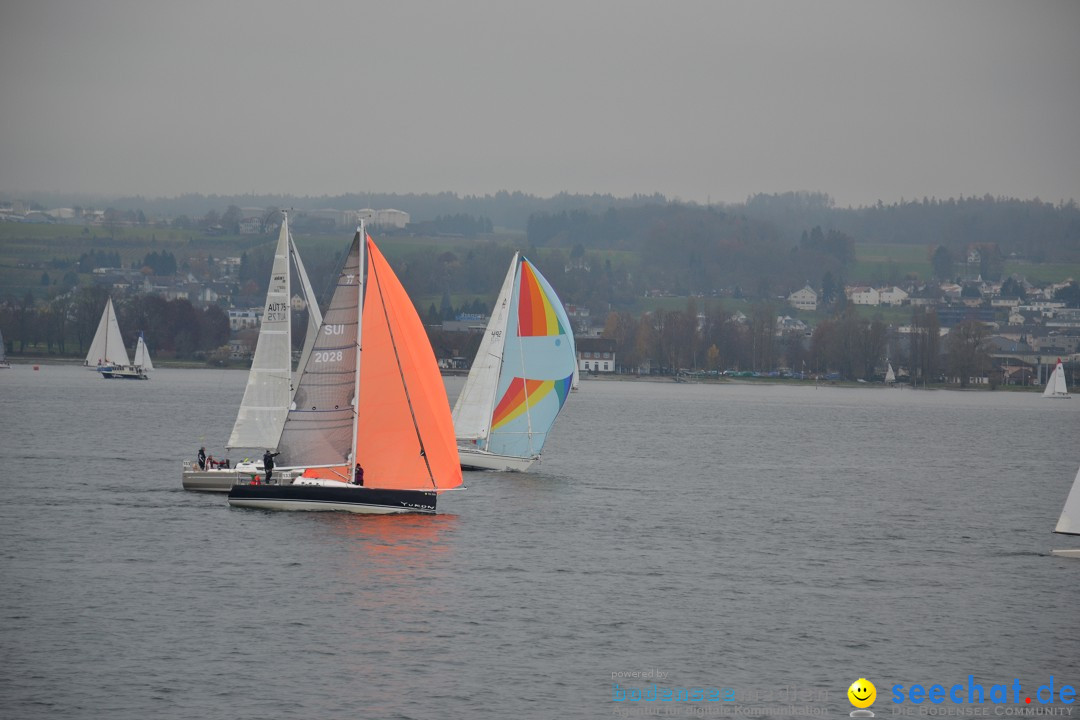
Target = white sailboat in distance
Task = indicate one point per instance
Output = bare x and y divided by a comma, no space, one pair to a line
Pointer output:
1055,384
1069,522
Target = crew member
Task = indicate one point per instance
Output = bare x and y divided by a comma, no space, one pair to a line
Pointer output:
268,464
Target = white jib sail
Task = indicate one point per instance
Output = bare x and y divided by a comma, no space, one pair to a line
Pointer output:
314,314
1069,522
472,411
269,386
108,346
142,355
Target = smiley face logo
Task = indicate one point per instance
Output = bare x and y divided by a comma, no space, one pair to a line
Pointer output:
862,693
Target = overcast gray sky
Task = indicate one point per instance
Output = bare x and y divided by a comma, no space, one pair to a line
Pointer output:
697,100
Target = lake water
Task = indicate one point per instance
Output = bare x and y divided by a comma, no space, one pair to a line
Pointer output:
752,537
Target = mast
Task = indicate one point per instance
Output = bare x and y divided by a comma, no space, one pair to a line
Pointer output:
288,303
360,285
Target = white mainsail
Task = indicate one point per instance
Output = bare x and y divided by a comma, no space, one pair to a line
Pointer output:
142,355
890,376
269,386
1069,522
1055,384
472,411
108,346
3,352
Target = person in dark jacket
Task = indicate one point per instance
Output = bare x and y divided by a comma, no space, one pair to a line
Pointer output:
202,458
358,475
268,464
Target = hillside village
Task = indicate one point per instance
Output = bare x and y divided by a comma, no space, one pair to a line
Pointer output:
1025,327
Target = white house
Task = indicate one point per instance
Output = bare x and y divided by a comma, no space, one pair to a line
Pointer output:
805,299
892,296
243,319
595,355
863,295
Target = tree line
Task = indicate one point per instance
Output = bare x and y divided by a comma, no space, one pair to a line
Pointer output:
66,324
853,347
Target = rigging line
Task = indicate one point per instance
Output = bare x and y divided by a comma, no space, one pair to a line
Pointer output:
401,372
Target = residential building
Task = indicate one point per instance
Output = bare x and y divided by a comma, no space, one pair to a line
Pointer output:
243,319
892,296
863,295
466,322
805,299
595,355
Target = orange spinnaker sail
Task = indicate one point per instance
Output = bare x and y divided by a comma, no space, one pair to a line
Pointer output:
403,403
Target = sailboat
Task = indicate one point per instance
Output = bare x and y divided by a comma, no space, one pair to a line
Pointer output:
107,349
269,388
1069,522
890,376
137,370
519,381
3,354
1055,384
371,395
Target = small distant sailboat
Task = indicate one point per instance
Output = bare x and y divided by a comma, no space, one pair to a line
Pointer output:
1055,384
3,354
522,373
1069,522
107,349
270,387
139,368
371,395
890,376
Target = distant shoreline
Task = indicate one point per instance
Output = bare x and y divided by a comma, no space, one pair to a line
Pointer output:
610,377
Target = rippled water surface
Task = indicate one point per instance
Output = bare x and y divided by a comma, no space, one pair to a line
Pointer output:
743,536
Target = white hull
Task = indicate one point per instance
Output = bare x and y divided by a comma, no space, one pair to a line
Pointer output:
474,459
222,479
1075,553
212,480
